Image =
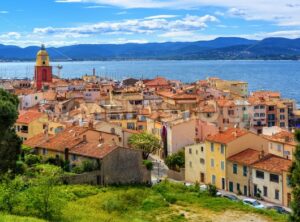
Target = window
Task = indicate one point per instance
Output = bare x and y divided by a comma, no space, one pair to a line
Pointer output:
190,150
231,186
274,178
222,149
36,98
130,126
245,171
230,112
282,124
74,157
45,151
271,108
260,174
202,161
282,110
196,152
245,191
271,116
262,114
234,168
212,162
282,117
276,194
265,191
256,107
279,147
202,149
213,179
190,163
212,148
222,165
238,188
262,107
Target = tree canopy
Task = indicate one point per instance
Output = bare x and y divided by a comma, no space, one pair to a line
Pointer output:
144,141
9,142
295,181
176,160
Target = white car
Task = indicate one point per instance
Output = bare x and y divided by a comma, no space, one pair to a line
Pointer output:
253,203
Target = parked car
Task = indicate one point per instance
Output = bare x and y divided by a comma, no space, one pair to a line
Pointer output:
253,203
278,209
231,197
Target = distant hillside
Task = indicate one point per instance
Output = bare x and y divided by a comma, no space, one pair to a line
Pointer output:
220,48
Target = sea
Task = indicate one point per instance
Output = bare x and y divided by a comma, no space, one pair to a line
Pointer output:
282,76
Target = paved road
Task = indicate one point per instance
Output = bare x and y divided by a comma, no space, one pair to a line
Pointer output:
159,168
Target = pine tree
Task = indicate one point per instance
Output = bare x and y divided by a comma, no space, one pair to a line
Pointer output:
10,143
295,182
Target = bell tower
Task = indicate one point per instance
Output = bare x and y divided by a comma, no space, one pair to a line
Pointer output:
43,70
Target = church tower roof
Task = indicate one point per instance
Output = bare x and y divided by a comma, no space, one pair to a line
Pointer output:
42,57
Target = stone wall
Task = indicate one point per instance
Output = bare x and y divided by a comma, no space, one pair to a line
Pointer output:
121,166
175,175
92,178
124,166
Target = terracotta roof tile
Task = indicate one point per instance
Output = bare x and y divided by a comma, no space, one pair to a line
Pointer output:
227,136
67,138
92,149
29,116
273,164
159,81
246,157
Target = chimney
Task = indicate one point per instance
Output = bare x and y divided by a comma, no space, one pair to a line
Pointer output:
84,138
94,71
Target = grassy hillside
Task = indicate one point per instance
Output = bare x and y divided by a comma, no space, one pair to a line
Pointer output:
12,218
164,202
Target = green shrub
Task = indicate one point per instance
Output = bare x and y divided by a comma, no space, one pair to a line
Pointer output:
31,159
89,166
21,167
77,169
176,160
212,190
148,164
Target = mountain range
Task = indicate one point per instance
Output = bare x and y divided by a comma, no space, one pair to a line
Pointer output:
220,48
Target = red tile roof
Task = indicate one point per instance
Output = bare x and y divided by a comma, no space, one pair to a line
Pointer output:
92,149
65,139
28,116
159,81
228,135
273,164
246,157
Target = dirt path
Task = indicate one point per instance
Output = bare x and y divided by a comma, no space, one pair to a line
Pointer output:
204,215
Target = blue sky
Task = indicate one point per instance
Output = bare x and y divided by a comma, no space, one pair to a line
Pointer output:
66,22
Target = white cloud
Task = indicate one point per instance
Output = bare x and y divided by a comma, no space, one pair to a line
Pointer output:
138,26
282,12
3,12
161,16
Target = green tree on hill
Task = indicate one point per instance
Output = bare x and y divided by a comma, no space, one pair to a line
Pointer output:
10,143
146,142
295,182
